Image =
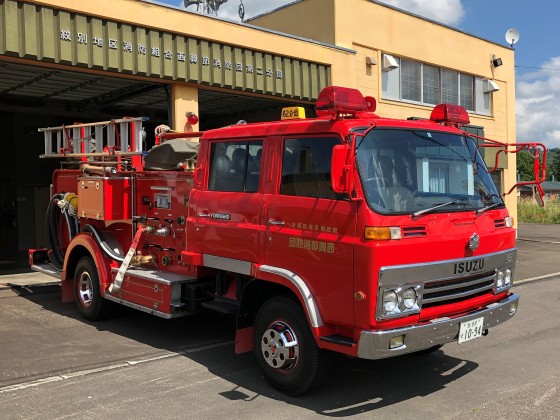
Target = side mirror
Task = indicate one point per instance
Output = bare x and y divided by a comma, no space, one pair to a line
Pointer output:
342,169
538,193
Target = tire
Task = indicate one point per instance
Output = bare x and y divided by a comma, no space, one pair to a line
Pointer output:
285,348
87,293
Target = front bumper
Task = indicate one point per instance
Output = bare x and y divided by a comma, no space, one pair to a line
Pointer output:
375,344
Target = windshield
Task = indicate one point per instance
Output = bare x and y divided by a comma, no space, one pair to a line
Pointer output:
417,172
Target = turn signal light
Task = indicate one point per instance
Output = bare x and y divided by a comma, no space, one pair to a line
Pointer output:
382,233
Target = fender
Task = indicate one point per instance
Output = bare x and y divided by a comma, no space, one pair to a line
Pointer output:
101,263
286,278
298,285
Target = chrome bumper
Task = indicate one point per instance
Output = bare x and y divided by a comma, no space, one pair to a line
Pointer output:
375,344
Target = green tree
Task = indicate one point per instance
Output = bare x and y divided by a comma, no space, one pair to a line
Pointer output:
553,170
525,166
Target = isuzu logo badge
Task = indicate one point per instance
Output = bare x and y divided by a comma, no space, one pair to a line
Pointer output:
474,241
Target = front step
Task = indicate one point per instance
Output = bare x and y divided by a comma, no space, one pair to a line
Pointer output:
153,291
157,276
47,269
221,305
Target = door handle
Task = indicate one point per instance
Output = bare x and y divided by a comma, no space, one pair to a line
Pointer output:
205,215
276,222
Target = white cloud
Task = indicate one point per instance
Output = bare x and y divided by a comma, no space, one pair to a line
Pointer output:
449,12
538,105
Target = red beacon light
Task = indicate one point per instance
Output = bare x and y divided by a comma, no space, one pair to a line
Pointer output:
450,115
192,118
336,101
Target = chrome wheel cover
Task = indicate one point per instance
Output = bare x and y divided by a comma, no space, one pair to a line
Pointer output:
85,289
279,346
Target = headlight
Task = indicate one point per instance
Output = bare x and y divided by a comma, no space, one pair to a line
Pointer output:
390,301
409,298
500,279
398,301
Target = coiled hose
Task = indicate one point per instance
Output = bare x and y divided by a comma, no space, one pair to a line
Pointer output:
103,244
52,221
55,251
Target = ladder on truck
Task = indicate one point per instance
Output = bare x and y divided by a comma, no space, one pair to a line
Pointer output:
115,138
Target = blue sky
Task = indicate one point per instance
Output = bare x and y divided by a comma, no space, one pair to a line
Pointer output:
537,55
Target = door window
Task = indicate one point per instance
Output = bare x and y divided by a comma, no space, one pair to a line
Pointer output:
306,167
235,166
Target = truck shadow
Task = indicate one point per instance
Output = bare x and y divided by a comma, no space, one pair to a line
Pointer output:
358,386
354,386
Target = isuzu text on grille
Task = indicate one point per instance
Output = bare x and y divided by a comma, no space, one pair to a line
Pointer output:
468,266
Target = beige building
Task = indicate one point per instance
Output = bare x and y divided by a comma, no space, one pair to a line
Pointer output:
63,61
409,64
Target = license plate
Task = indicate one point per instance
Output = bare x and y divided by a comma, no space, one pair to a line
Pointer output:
469,330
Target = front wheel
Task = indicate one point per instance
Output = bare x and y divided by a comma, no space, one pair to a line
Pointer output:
285,348
87,292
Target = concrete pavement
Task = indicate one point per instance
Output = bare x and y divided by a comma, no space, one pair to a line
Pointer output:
25,280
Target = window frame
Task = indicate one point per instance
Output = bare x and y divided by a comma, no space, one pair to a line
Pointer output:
396,86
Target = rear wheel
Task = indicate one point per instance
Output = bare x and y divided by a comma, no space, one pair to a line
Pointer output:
91,303
285,348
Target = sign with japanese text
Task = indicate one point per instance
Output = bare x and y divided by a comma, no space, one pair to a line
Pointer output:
45,34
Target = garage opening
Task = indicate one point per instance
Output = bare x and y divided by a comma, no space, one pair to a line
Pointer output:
32,97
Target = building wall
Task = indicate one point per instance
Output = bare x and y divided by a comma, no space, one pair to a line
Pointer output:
296,18
372,29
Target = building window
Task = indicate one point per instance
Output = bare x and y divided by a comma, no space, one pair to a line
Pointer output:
410,81
449,87
306,167
431,85
466,91
439,176
413,81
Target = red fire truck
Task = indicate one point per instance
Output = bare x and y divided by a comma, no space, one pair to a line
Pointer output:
348,233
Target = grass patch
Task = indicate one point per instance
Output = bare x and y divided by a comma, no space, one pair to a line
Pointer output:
529,212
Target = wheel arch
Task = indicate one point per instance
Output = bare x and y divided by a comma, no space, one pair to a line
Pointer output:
82,246
273,282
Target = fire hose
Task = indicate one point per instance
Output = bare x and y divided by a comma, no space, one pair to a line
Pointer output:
66,203
115,287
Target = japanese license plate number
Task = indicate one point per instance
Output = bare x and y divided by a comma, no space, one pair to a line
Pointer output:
469,330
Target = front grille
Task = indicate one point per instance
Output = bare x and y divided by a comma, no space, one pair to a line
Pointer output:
412,231
444,292
500,223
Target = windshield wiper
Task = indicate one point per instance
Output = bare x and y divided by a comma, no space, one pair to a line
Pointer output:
437,206
488,207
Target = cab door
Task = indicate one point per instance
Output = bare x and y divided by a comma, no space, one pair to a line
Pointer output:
310,231
228,211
